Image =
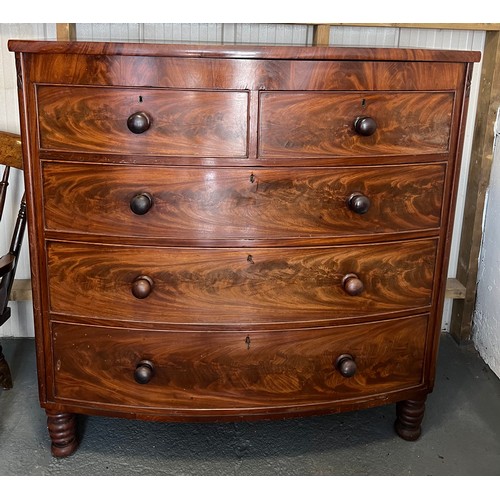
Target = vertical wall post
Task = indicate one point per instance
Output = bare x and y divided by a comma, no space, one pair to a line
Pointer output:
479,176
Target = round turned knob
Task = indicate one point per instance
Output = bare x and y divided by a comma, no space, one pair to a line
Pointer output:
365,125
138,122
141,203
345,365
142,287
144,372
358,203
352,284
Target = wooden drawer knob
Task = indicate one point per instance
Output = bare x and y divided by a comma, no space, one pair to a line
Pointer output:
142,287
144,372
141,203
358,203
345,365
352,285
365,125
138,122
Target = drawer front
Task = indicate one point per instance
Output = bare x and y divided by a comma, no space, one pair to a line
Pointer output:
239,286
235,370
180,122
322,124
238,203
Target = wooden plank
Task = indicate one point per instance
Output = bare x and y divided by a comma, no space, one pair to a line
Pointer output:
66,31
454,289
321,34
11,150
447,26
21,290
479,175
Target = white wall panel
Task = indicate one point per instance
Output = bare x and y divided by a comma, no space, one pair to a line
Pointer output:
183,32
108,31
258,33
364,37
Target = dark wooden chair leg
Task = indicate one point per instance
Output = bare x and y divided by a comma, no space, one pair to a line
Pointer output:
410,414
5,376
62,432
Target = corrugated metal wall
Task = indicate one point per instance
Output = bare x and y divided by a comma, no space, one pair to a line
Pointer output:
256,33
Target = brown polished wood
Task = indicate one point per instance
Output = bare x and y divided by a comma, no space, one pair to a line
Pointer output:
272,372
11,150
241,203
327,124
231,232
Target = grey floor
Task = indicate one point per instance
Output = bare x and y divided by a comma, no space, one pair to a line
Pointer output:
461,435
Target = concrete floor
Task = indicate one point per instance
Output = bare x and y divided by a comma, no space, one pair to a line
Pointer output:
461,435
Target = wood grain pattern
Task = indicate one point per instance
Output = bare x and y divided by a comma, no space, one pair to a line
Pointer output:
200,203
321,124
193,123
11,150
243,74
222,371
240,51
239,286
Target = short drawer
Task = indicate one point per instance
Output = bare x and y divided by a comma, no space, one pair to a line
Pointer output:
143,121
216,286
245,371
337,124
241,203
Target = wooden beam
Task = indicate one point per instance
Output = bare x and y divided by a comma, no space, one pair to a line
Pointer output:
66,31
321,34
11,150
445,26
454,289
479,176
21,290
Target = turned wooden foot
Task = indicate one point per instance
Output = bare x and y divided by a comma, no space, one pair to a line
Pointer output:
5,376
62,432
410,414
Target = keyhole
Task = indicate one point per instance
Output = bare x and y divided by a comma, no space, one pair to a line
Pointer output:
247,342
250,259
363,103
252,178
140,98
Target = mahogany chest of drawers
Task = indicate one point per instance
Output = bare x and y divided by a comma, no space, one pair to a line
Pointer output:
231,232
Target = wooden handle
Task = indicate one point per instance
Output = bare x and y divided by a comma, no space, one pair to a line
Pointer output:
142,287
345,365
365,125
358,203
352,284
144,371
141,203
138,122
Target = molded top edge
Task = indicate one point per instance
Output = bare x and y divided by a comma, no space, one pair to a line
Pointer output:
242,51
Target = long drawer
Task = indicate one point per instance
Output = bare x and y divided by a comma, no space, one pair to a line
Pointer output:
143,121
241,203
221,371
217,286
323,124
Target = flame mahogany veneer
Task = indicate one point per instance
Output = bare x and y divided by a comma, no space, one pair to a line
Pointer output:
237,232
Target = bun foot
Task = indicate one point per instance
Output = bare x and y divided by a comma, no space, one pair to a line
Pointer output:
62,432
410,414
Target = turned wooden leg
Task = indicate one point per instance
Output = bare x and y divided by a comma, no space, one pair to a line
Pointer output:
5,376
62,432
410,414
